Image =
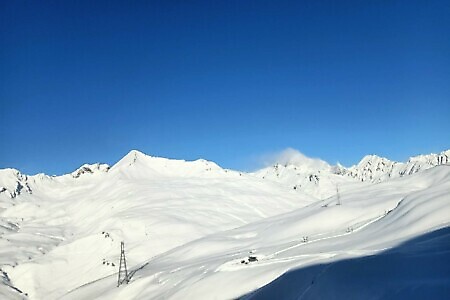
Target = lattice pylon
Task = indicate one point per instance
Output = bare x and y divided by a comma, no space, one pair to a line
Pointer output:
338,196
123,272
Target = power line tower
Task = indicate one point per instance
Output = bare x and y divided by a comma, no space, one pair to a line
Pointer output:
338,196
123,272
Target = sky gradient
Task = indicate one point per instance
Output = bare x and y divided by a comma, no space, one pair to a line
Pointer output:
228,81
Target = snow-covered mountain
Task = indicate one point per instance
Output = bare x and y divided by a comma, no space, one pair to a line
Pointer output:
71,224
13,183
193,230
90,169
322,180
393,238
376,169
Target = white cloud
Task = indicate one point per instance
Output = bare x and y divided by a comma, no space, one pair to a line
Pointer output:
292,156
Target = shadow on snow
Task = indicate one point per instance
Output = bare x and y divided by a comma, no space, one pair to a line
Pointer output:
416,269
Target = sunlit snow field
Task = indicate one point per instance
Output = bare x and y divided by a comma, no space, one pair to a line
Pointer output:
192,230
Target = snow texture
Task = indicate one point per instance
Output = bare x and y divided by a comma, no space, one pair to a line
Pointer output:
193,230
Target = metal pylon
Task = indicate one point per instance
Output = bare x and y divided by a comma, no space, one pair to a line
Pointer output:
123,272
338,196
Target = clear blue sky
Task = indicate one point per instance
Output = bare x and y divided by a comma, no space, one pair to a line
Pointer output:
87,81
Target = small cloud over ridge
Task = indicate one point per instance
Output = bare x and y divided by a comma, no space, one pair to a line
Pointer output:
291,156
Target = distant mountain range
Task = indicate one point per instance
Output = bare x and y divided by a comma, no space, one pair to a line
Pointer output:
321,179
314,176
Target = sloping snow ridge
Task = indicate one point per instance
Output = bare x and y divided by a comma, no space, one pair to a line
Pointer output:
193,230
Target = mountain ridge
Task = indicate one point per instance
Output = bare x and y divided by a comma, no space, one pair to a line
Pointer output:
305,173
325,181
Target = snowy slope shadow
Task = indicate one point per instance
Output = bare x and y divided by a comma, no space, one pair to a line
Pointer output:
416,269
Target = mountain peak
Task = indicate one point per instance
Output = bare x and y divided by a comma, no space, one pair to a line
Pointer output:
151,166
90,169
134,155
375,168
373,159
130,158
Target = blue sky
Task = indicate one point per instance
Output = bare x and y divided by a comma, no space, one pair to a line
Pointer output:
229,81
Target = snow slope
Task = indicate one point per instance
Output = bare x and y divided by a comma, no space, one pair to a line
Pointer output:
67,231
370,221
193,230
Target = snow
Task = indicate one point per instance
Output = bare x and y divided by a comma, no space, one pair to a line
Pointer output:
90,169
375,169
321,180
193,230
